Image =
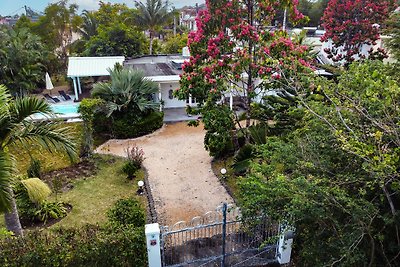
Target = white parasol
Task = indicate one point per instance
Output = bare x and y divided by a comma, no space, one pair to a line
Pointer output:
49,84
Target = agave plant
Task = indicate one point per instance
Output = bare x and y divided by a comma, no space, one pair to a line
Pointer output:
17,129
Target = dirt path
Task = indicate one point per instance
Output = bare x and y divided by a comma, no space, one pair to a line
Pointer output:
182,182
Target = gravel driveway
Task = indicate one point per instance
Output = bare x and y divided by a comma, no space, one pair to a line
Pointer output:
179,168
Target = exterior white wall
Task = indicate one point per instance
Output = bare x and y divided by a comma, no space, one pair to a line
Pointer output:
171,103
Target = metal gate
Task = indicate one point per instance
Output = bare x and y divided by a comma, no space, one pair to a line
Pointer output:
219,238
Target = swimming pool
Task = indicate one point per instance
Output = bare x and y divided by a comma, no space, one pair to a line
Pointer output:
62,111
65,109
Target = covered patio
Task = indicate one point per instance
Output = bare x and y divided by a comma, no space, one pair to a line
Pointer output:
90,67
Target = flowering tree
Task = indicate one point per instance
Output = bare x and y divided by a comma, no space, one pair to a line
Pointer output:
233,51
352,25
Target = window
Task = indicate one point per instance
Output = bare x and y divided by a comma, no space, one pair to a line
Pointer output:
170,94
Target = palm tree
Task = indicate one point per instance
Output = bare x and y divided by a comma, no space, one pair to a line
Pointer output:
127,91
89,25
151,16
17,129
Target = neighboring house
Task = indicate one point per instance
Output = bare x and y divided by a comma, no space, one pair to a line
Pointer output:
187,16
165,71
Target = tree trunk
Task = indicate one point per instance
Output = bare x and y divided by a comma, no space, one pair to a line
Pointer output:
12,218
151,43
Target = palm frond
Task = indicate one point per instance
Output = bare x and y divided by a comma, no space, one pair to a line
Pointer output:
6,168
38,191
50,135
23,107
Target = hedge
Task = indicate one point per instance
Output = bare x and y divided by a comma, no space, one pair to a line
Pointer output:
128,126
87,246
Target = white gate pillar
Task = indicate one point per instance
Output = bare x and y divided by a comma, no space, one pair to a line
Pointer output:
285,246
152,232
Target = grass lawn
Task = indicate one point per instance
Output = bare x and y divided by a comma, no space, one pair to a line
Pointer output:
93,196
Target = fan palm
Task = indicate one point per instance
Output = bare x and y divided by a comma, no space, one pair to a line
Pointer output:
127,91
16,129
151,16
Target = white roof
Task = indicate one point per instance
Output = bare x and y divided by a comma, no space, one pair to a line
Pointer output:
92,66
160,79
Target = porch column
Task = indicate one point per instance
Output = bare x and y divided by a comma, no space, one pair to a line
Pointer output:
190,100
75,89
160,96
79,84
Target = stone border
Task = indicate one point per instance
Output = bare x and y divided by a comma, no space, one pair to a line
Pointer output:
152,218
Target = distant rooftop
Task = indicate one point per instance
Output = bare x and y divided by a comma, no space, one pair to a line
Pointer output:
157,65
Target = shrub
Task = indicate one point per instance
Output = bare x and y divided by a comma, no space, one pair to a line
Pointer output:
127,212
86,246
50,210
126,128
35,169
129,168
108,245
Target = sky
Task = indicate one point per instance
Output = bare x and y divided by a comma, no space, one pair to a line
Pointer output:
12,7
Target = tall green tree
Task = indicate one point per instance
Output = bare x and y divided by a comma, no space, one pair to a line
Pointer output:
151,16
118,39
56,28
89,25
22,60
336,178
18,130
393,31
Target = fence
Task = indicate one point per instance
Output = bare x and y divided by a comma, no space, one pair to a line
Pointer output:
219,238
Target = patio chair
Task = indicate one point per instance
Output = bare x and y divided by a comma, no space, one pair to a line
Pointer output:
64,95
50,98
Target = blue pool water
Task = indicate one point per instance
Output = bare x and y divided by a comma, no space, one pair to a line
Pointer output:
65,109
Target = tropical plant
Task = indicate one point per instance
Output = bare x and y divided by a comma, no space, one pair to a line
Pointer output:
35,169
127,212
117,39
56,28
22,60
89,25
16,128
128,91
87,109
151,16
336,177
174,44
50,210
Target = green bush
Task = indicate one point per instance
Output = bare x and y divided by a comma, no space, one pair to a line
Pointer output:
35,169
87,246
119,243
127,212
128,125
50,210
126,128
130,168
